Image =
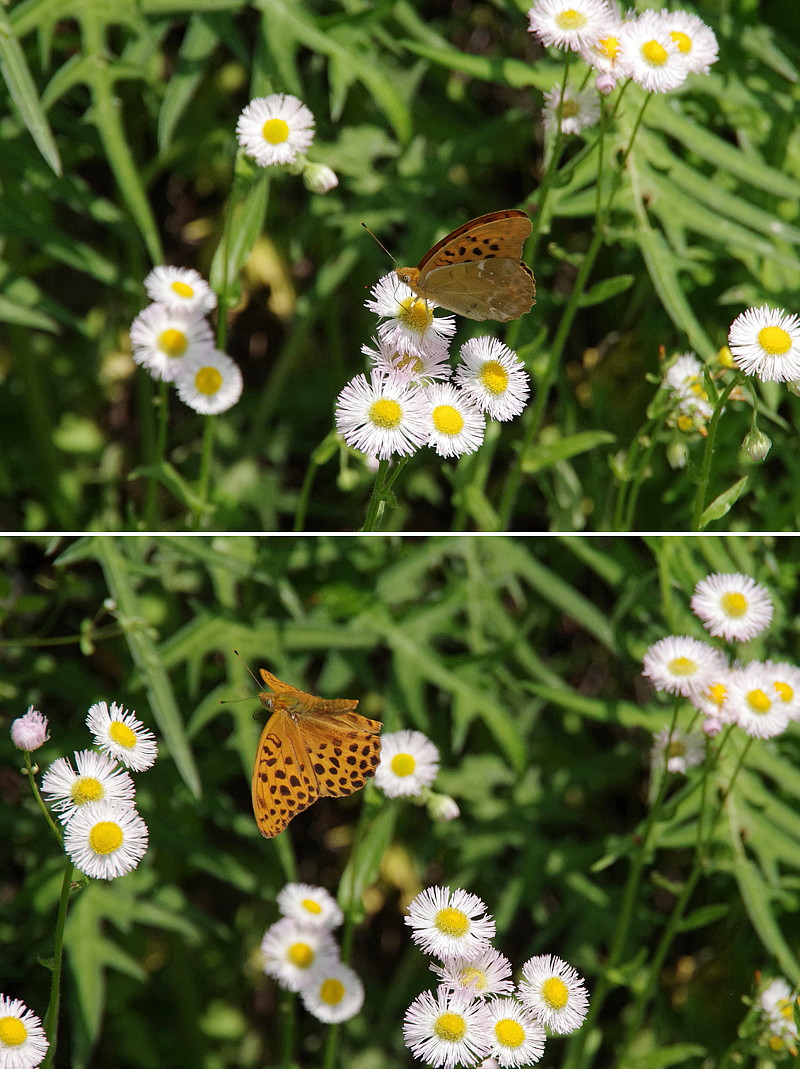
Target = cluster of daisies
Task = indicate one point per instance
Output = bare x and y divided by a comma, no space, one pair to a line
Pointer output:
408,767
776,1002
476,1013
412,396
173,340
760,697
300,952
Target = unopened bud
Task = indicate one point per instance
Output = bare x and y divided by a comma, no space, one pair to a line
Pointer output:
319,178
756,444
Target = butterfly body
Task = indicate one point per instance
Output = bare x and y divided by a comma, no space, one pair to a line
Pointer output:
310,748
477,270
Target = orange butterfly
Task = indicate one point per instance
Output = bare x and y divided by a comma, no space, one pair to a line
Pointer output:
477,271
310,748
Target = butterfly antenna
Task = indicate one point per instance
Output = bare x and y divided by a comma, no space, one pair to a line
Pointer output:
257,682
379,242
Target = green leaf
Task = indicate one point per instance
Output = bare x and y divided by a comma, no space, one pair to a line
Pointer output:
545,455
723,502
605,290
17,76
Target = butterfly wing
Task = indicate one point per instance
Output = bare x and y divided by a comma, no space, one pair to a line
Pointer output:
498,234
485,289
284,783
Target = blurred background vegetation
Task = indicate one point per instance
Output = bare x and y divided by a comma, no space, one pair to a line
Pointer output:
118,153
520,658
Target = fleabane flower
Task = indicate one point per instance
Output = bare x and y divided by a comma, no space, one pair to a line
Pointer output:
579,108
412,362
754,703
409,323
696,42
517,1036
209,382
603,52
180,287
291,949
275,129
97,778
29,732
332,992
554,992
119,734
455,423
309,905
163,338
682,750
733,606
571,24
649,55
382,416
777,1002
682,665
105,839
493,376
765,342
684,379
710,698
409,762
785,678
23,1043
486,973
449,923
446,1030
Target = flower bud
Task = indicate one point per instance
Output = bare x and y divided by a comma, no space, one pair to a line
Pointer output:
756,444
442,807
28,732
319,178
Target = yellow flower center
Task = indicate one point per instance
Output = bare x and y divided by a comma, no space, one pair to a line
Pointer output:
774,340
494,377
408,360
208,381
332,991
86,789
386,413
733,603
717,692
555,993
452,922
682,666
655,53
122,735
685,423
12,1032
676,748
415,314
450,1027
786,692
300,954
509,1033
569,109
403,764
609,47
172,342
472,976
682,40
105,837
447,420
275,131
310,906
181,288
570,19
758,701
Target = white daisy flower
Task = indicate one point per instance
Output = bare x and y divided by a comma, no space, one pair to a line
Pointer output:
382,416
494,377
732,605
409,762
754,703
777,1002
569,24
291,949
603,52
180,287
29,732
412,362
682,665
163,338
554,992
684,377
455,424
449,923
579,108
23,1043
275,129
119,734
785,678
696,42
410,325
209,382
517,1036
309,905
445,1030
486,973
710,699
97,778
332,992
649,55
105,839
765,342
682,750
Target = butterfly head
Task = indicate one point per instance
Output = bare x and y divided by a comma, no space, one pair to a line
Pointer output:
409,275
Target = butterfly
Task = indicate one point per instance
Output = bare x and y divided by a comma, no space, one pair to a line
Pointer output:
477,271
310,748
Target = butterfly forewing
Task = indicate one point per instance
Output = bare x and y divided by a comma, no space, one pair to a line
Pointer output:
494,235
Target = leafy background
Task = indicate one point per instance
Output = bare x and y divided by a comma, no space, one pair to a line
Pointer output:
520,658
119,153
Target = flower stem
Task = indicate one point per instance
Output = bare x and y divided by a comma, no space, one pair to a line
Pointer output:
35,788
51,1017
384,480
205,471
708,455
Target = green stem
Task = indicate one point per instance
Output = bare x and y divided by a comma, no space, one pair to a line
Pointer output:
161,405
384,480
51,1016
289,1027
205,471
35,788
708,455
